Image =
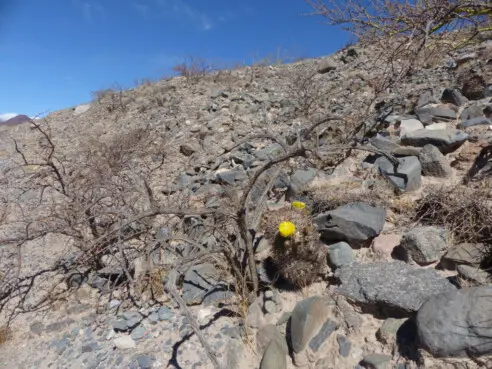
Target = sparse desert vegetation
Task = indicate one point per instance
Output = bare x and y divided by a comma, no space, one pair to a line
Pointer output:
318,213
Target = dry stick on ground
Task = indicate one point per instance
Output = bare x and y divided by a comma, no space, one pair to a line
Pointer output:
171,289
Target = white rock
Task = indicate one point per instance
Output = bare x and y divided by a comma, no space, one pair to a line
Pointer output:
437,126
410,125
124,343
81,109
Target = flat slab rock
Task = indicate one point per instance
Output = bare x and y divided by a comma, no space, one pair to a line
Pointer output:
395,289
446,140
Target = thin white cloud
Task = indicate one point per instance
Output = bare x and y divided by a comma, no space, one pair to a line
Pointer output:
7,116
90,9
143,9
180,7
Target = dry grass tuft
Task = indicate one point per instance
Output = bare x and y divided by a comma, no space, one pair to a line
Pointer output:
5,334
466,212
330,197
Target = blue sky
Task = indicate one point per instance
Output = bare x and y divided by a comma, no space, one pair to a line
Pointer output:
54,53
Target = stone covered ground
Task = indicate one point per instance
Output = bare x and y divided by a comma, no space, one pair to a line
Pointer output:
396,293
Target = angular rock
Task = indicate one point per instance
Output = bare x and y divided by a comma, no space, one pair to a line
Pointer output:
410,125
434,163
81,109
232,176
145,361
446,140
124,343
274,357
255,317
138,333
268,333
376,361
308,317
425,245
465,253
427,98
455,323
269,152
474,274
202,285
299,179
164,313
387,332
474,111
384,244
407,176
344,345
353,223
327,66
396,289
233,354
340,254
189,148
432,114
393,148
479,121
453,96
437,126
324,333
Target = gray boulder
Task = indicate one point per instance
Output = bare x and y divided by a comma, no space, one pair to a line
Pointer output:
392,147
428,115
457,323
340,254
465,253
299,179
453,96
395,289
446,140
470,112
473,274
478,121
202,284
407,176
425,245
434,163
353,223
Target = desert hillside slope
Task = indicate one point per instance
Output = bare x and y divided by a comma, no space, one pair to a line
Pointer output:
311,215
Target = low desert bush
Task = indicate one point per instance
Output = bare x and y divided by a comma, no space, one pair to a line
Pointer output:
464,211
193,69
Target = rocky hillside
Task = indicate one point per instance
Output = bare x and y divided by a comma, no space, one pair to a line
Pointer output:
307,215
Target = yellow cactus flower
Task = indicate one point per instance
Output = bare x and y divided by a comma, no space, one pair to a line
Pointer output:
286,229
299,205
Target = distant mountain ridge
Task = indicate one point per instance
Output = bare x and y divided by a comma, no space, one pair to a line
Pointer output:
16,120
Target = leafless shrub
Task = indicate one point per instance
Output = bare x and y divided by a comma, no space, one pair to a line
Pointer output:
464,211
193,69
409,32
308,90
104,203
112,98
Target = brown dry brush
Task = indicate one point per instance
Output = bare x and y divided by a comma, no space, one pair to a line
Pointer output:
102,201
465,211
405,36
